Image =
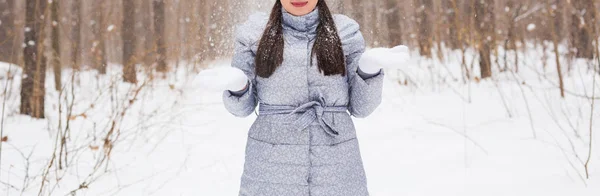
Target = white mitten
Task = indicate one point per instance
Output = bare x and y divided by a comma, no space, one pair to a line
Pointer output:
374,59
368,62
235,79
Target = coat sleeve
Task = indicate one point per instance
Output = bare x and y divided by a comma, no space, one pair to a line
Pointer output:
365,93
242,104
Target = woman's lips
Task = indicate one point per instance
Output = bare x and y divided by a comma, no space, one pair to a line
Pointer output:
299,4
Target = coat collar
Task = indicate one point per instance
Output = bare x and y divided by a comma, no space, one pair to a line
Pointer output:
307,23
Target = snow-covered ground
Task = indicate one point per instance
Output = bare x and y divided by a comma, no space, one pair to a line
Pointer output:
434,135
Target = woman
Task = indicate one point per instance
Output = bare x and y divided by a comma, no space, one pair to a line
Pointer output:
301,67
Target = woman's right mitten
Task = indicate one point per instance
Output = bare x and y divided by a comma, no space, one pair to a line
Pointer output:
237,81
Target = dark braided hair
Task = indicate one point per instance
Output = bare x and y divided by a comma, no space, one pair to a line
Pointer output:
327,47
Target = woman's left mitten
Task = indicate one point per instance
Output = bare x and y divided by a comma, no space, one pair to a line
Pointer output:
369,63
394,57
374,59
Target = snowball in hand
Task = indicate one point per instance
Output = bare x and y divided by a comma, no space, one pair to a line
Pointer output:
222,78
376,58
236,78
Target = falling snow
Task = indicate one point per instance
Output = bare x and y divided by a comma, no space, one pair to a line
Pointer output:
531,27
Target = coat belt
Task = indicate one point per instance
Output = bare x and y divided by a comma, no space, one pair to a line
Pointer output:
312,111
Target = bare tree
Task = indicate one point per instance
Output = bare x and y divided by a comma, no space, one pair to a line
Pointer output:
558,18
582,20
32,86
440,25
203,29
99,58
462,23
56,45
590,147
128,37
484,25
555,41
424,9
450,9
146,48
514,9
77,15
159,32
467,20
394,22
7,31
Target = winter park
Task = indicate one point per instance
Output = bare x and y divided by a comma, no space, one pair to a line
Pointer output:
300,97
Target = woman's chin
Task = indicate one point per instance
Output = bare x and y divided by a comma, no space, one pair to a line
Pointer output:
299,12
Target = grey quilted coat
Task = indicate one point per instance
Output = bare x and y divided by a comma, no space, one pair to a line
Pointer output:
303,141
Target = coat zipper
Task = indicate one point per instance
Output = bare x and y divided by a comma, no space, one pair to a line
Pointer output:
308,67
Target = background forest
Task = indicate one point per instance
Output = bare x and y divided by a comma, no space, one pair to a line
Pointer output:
157,34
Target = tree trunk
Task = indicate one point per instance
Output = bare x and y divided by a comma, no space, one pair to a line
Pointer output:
7,32
484,25
56,46
582,28
424,35
202,40
128,37
148,46
373,24
555,41
159,32
77,14
393,22
32,86
557,15
451,8
188,41
99,51
510,42
512,12
467,21
438,28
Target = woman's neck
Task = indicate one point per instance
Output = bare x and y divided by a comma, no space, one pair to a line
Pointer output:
304,23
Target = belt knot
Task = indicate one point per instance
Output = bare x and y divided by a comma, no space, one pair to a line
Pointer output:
312,111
